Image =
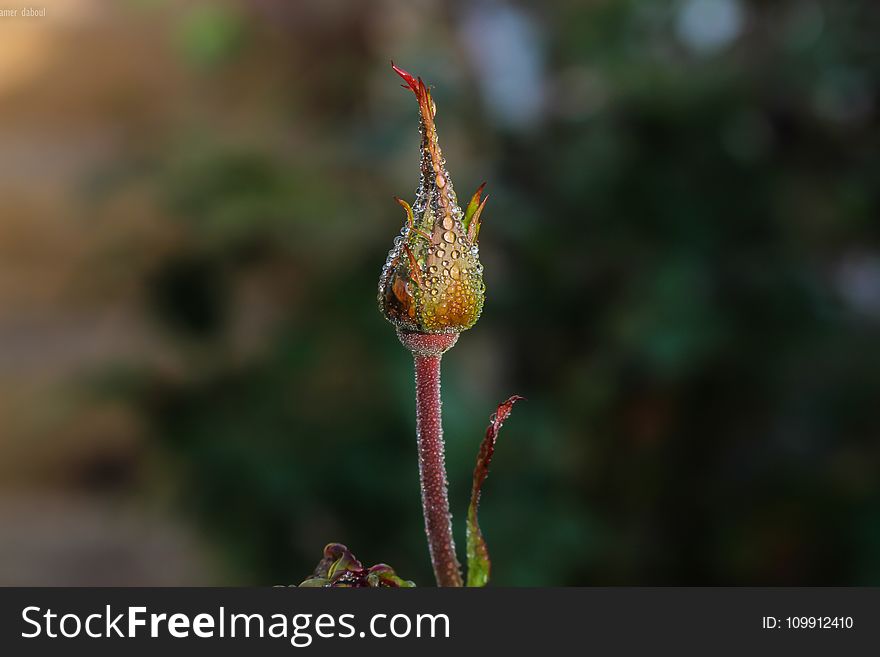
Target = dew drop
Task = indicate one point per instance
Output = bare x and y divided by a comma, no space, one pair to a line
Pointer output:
449,236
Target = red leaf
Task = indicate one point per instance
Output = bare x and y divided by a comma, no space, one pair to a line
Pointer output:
479,565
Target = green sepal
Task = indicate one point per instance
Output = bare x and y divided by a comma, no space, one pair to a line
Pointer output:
472,206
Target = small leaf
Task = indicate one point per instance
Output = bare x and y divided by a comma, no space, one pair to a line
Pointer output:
479,565
315,583
340,569
383,575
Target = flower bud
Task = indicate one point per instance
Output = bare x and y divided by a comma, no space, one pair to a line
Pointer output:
432,281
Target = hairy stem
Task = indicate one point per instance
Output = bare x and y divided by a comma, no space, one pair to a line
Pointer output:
432,471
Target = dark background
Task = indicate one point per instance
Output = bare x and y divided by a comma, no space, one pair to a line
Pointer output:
681,249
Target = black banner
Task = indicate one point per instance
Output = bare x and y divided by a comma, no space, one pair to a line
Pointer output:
278,621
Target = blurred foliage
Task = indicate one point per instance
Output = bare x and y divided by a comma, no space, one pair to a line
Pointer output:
210,34
683,266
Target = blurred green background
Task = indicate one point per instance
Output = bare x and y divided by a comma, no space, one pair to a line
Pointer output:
682,254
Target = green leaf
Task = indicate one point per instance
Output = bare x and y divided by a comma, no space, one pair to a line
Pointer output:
383,575
479,565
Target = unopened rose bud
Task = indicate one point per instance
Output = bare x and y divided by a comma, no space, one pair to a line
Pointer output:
432,281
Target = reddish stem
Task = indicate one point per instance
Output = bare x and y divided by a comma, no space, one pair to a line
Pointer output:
432,470
427,352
